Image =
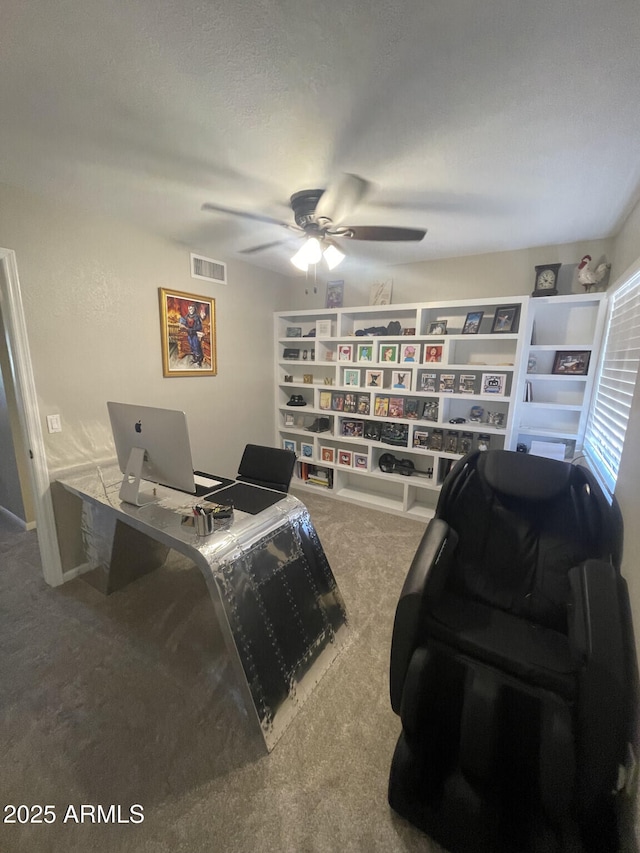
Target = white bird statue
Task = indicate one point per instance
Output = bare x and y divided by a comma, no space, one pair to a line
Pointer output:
588,276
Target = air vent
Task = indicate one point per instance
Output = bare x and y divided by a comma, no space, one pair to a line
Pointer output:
208,270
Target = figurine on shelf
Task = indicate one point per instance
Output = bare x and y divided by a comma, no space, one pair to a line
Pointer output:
591,277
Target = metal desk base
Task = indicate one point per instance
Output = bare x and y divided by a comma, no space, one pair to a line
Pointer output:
278,604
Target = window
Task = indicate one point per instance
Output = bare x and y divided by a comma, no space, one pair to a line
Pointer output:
615,383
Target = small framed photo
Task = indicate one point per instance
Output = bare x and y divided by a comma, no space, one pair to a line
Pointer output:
437,328
432,353
472,323
291,353
373,379
328,454
289,420
571,363
294,331
289,445
365,352
323,328
360,461
410,352
306,450
505,320
494,383
352,377
401,379
345,352
345,457
389,352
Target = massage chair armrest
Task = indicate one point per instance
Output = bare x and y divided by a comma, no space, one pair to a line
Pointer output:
422,588
597,615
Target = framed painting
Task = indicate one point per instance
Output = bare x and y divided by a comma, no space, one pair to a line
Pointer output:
505,319
472,323
410,352
432,353
352,377
327,454
574,363
389,352
188,330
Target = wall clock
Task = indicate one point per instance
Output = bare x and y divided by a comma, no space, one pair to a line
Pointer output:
546,280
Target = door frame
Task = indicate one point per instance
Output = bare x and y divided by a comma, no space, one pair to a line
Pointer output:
29,415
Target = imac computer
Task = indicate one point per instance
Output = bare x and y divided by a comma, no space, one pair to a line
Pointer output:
152,445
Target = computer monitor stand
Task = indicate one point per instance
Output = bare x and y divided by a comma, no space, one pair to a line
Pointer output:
130,489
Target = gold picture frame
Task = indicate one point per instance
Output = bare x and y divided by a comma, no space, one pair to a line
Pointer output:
188,334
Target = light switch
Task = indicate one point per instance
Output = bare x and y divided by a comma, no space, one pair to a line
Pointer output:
54,424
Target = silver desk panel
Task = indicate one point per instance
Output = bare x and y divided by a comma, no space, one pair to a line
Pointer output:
278,604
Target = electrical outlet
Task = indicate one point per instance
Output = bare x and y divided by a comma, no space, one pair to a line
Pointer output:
54,424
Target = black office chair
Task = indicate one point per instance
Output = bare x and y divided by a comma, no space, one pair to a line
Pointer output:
511,662
271,467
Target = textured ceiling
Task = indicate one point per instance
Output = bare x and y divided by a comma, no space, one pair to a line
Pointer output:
496,125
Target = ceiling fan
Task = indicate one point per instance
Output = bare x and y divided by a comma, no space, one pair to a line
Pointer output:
319,217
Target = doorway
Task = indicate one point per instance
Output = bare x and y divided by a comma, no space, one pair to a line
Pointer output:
19,380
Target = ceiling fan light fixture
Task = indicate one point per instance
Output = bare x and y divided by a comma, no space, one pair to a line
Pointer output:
299,261
333,256
309,253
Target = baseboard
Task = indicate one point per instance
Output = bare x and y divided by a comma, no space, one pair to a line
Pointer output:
76,571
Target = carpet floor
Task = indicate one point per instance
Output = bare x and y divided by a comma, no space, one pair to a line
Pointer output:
131,699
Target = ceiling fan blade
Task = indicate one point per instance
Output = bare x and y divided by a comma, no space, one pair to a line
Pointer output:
341,197
216,208
263,246
375,232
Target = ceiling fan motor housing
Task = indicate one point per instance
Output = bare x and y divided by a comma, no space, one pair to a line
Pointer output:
304,205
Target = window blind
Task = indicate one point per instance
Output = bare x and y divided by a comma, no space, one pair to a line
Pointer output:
615,383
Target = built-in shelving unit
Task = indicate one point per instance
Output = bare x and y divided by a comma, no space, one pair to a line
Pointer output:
559,365
396,379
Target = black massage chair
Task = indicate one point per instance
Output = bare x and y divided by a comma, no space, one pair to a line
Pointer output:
512,663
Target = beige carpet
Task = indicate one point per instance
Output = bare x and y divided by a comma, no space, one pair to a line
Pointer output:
130,699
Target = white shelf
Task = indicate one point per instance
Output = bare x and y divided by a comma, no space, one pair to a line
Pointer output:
547,433
555,377
567,407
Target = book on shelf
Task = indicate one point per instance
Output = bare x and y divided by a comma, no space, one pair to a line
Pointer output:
316,475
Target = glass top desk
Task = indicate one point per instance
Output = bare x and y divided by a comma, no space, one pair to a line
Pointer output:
274,594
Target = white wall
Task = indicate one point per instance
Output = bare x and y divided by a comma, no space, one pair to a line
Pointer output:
497,274
90,291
